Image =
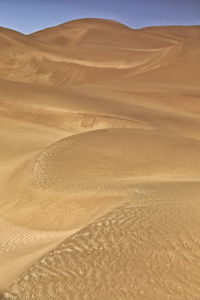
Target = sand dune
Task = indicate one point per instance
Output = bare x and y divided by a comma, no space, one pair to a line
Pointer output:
85,53
146,249
100,156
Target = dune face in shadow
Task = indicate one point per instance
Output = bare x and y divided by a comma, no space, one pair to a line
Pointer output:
100,162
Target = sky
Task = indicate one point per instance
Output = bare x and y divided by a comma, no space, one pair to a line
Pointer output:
29,16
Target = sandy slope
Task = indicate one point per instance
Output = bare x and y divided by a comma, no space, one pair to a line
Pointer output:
98,120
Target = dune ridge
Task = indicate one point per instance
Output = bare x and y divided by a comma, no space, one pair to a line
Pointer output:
99,173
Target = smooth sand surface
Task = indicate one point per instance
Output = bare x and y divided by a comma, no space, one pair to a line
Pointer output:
100,162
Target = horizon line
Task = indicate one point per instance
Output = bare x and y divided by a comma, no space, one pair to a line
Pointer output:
131,27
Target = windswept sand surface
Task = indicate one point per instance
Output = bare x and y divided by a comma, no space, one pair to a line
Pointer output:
100,162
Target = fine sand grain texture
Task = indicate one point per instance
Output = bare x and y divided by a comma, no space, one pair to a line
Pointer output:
100,162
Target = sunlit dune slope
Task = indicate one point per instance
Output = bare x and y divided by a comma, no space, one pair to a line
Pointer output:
99,162
145,249
84,51
80,167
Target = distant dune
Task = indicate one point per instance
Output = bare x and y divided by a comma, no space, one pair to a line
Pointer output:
100,162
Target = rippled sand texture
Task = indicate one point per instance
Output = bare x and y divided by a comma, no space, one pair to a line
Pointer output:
100,162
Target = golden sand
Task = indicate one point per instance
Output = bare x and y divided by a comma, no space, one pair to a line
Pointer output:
100,162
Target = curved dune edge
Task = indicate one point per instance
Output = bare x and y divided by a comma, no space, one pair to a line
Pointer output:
138,238
105,155
99,173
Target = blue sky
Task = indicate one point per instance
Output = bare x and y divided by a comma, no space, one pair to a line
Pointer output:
31,15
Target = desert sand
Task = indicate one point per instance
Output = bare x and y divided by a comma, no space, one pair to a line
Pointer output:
100,162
